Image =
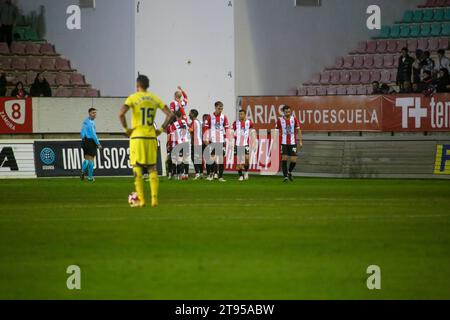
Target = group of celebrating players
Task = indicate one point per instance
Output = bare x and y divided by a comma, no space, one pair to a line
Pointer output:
202,142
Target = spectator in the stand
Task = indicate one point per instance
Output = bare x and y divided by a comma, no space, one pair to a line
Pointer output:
406,87
8,17
3,84
442,61
376,88
426,85
415,87
40,87
443,81
427,63
19,91
386,89
417,66
404,70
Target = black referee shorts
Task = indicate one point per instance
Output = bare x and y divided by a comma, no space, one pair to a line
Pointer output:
89,147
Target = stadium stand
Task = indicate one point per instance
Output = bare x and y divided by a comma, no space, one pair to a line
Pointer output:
24,59
427,29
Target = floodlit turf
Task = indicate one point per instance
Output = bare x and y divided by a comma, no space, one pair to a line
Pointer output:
259,239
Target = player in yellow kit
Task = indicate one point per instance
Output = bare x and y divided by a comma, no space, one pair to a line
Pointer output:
143,142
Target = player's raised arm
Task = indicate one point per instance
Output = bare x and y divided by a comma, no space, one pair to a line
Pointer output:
123,120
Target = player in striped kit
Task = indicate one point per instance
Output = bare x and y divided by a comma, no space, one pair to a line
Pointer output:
171,166
180,102
291,141
181,151
216,127
195,128
243,129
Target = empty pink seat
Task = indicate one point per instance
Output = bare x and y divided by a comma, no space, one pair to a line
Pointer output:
443,43
391,46
393,75
351,90
21,77
368,61
47,49
388,61
315,78
361,47
51,78
361,90
378,61
78,92
63,79
369,90
33,48
335,77
91,92
17,48
325,77
341,90
300,91
4,49
422,44
30,77
371,46
402,43
354,77
321,91
338,62
348,62
358,62
412,45
375,76
311,91
385,76
62,64
48,64
18,63
382,46
433,44
5,63
33,63
344,77
77,79
63,92
331,91
365,76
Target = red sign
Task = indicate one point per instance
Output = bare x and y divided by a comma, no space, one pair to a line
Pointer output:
354,113
16,115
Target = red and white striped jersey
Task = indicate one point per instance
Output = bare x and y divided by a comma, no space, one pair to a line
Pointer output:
242,132
288,128
217,125
175,105
170,136
196,132
180,130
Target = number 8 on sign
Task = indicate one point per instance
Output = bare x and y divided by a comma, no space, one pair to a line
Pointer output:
15,110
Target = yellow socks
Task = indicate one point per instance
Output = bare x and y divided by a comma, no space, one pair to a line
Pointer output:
154,185
139,184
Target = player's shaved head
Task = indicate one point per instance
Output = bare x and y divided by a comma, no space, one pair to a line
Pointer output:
143,82
178,94
178,114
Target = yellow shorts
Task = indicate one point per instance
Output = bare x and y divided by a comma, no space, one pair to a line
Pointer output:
143,151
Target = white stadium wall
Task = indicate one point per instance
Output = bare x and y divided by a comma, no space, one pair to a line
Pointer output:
172,33
279,46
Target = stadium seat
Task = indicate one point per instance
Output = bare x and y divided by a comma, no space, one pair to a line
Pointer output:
47,49
436,29
408,16
51,78
445,29
378,61
392,46
351,90
321,91
365,77
17,48
404,31
344,77
21,77
361,90
358,62
338,63
393,75
428,4
361,48
428,15
4,49
368,61
371,46
375,76
63,79
48,64
78,92
395,31
5,63
385,32
348,62
412,45
439,15
62,64
433,44
315,78
354,77
301,91
33,63
381,46
335,77
385,76
414,31
331,91
417,16
388,61
30,76
369,90
78,79
401,43
425,30
443,43
18,63
33,48
447,14
62,92
91,92
341,90
441,3
311,91
422,44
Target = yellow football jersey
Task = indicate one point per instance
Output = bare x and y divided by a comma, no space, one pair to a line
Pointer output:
143,106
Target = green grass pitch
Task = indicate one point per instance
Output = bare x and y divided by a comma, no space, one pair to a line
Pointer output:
259,239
